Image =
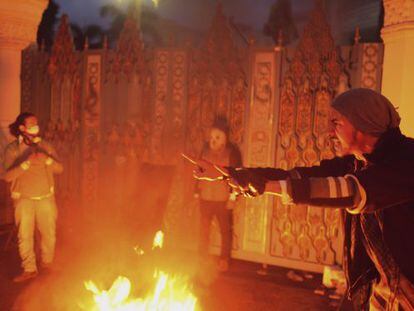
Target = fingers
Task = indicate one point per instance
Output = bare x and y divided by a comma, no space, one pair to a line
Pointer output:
199,174
253,190
248,191
222,170
202,174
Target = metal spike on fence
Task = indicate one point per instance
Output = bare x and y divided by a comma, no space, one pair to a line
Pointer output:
105,42
357,36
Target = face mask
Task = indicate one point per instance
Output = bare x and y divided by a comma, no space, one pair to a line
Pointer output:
33,131
217,139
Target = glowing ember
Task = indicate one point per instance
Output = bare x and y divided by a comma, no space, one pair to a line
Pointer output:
170,293
158,240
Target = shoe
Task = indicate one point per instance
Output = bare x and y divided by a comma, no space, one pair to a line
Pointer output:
25,276
223,265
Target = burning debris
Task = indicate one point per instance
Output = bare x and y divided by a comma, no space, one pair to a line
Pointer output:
170,292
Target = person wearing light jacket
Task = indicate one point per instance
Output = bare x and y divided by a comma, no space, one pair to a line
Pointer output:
30,164
215,198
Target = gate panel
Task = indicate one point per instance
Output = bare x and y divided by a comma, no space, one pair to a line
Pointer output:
303,236
259,152
155,101
91,114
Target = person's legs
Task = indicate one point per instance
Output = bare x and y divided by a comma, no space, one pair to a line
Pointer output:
224,217
25,221
206,216
46,214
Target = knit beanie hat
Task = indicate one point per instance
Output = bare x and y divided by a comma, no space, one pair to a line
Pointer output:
367,110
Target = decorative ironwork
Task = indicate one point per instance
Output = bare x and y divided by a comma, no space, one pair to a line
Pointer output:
91,132
27,73
158,128
371,66
179,92
63,61
128,59
312,79
217,84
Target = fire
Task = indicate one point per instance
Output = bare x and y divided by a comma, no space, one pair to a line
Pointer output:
170,293
158,240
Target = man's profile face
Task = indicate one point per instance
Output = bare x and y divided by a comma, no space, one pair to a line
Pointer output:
344,132
217,140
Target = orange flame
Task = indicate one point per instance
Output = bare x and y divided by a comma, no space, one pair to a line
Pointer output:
171,293
158,240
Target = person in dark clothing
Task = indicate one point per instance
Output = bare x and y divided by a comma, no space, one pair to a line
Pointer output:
214,197
372,182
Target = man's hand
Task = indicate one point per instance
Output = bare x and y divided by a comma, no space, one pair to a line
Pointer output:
204,170
245,182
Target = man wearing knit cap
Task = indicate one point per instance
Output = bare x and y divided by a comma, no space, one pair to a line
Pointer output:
373,182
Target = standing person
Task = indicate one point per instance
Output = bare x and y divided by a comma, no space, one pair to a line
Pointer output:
372,182
214,197
30,163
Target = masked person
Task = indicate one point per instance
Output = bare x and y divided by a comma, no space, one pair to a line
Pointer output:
373,182
214,197
30,163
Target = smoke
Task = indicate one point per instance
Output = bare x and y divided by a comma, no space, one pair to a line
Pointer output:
100,243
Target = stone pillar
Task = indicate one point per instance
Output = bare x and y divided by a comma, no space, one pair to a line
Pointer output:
18,28
19,20
398,68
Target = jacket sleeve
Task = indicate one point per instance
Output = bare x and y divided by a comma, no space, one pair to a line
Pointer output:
56,165
11,165
333,167
327,184
339,166
385,185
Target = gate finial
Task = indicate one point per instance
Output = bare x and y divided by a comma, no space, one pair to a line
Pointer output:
63,60
357,36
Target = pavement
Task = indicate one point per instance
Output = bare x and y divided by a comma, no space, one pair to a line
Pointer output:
241,288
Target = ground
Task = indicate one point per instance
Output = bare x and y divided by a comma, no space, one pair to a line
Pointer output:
241,288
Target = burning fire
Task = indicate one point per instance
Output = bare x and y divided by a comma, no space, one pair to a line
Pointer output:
171,293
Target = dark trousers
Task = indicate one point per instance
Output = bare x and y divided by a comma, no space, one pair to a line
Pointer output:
209,209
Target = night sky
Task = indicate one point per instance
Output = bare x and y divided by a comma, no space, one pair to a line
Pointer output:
343,15
192,13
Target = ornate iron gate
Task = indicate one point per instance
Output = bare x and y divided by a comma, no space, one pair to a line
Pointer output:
112,109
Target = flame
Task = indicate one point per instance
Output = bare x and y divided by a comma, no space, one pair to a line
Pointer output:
170,293
158,240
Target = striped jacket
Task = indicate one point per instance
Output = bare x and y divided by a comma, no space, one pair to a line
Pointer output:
378,204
